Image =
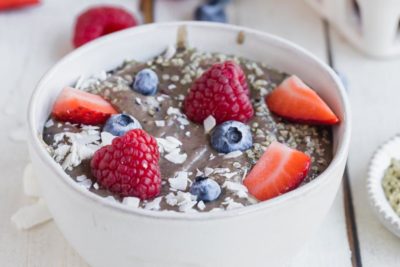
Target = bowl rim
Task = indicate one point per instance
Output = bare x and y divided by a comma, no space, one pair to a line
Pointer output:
37,144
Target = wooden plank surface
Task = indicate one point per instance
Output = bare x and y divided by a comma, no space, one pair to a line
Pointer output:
374,90
37,44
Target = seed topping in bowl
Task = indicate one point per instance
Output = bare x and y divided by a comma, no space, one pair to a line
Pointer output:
195,134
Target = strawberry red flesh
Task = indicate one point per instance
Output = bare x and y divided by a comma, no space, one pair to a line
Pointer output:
295,101
279,170
10,4
76,106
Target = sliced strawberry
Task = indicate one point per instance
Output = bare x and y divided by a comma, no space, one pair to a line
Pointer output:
295,101
77,106
8,4
279,170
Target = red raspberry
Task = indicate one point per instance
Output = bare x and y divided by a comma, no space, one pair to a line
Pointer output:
99,21
221,91
129,166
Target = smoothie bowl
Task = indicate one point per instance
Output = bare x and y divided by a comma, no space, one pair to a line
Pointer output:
156,146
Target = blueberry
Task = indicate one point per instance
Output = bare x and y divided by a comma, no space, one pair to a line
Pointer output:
218,2
214,13
119,124
146,82
205,189
231,136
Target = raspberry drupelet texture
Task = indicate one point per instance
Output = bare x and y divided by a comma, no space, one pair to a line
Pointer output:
101,20
222,92
129,166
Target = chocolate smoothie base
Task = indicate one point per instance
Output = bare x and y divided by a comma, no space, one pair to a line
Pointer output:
176,72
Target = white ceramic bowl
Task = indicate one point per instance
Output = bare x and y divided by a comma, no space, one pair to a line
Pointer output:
110,234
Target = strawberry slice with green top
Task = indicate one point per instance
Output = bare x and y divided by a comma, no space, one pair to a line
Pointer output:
77,106
279,170
295,101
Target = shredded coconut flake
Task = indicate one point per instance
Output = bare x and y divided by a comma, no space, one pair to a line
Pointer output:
201,205
176,157
239,189
188,207
31,216
106,138
160,123
173,111
169,52
166,145
209,123
79,146
183,121
81,178
154,204
61,151
131,201
208,171
85,83
171,199
180,181
171,146
199,173
233,154
86,183
171,86
174,140
49,123
31,186
184,200
221,170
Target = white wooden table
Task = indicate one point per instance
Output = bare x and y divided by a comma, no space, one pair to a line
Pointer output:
31,40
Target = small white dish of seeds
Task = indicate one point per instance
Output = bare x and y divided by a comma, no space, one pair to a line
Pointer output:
383,184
